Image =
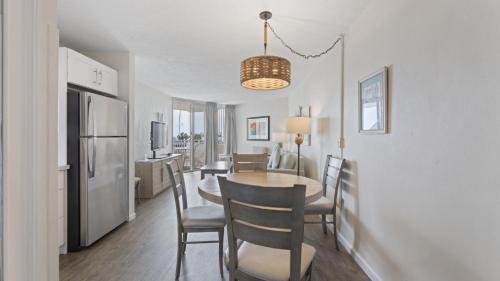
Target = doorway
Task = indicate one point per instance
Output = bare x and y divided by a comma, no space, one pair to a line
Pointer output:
188,136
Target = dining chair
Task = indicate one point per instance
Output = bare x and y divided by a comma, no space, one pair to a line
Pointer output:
193,219
327,204
249,162
265,229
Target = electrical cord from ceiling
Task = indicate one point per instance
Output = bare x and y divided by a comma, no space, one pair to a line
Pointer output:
305,56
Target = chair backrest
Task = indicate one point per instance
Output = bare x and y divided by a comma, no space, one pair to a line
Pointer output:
266,216
249,162
176,174
331,177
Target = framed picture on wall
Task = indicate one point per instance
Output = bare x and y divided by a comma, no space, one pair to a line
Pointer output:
373,103
258,128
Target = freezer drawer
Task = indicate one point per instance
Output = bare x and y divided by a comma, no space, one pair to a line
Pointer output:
104,190
102,116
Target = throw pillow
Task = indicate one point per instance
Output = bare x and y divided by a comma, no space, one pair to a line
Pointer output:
288,161
274,160
283,160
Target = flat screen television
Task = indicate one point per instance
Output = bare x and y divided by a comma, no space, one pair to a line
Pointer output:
158,136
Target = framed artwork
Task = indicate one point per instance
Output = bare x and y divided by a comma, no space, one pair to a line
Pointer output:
373,103
258,128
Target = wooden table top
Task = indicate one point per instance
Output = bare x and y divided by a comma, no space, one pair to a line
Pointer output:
208,188
217,166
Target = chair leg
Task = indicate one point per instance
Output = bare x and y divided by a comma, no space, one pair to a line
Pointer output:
184,245
309,272
335,235
180,247
221,252
323,222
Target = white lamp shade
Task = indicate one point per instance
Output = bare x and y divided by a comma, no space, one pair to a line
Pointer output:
280,137
299,125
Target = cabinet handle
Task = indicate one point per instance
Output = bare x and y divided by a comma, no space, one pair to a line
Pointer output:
100,77
96,76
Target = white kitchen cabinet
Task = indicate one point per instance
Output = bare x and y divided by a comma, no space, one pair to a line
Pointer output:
86,72
108,80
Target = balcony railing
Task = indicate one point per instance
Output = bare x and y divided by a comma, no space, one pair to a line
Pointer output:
184,147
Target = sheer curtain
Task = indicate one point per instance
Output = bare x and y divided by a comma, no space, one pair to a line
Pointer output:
230,130
211,131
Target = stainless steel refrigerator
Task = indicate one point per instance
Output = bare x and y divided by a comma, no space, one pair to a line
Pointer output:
98,159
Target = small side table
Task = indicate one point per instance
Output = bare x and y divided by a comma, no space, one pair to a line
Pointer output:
137,189
218,167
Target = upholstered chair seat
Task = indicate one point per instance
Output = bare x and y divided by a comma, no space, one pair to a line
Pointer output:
203,217
271,264
321,206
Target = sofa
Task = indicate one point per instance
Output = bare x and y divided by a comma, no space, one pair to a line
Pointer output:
290,166
286,163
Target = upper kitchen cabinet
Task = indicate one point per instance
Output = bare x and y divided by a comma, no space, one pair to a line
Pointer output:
86,72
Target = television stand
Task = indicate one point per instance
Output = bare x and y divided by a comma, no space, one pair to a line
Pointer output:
154,155
162,156
154,175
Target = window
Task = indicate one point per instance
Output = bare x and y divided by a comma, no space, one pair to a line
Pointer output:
189,132
221,112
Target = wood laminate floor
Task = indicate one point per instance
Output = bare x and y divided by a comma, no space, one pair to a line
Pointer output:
145,249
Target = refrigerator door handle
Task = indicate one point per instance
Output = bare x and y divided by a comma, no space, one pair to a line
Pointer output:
89,103
89,167
94,139
91,112
92,168
91,118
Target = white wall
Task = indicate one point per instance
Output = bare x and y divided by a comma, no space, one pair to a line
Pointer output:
148,102
320,90
277,109
422,202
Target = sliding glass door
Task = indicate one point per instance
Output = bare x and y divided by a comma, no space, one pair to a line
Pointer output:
189,133
198,113
182,131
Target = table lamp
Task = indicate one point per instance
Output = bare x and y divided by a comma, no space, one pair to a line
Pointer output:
299,126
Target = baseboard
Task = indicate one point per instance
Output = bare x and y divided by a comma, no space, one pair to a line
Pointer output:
359,259
63,249
131,217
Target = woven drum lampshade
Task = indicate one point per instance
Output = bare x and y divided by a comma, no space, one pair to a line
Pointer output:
265,73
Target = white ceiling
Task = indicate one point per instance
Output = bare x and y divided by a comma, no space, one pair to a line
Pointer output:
193,49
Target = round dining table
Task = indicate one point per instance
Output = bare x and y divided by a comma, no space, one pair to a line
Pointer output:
208,188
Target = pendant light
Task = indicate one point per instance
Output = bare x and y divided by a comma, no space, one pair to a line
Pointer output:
265,72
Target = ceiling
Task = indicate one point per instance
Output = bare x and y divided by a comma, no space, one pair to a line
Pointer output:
193,49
